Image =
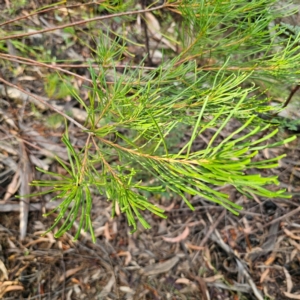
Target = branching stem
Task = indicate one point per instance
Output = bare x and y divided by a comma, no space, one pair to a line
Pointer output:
157,158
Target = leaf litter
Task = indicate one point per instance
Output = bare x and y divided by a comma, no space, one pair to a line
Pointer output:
214,255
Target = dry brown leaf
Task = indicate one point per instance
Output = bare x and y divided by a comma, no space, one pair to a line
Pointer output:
207,260
194,247
27,78
213,278
291,234
117,208
13,288
11,244
40,240
4,275
178,238
289,283
114,227
106,232
264,275
128,256
12,187
154,28
192,224
248,229
107,288
10,121
294,253
294,243
99,231
192,288
9,288
266,153
161,267
153,24
168,208
292,296
203,288
126,289
69,273
183,281
75,280
271,259
207,254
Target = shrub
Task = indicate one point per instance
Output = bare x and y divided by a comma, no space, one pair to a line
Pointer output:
226,56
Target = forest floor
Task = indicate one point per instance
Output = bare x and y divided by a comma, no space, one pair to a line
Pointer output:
205,254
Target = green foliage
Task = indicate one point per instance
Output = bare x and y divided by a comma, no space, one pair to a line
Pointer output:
16,5
292,125
294,31
131,122
57,87
55,121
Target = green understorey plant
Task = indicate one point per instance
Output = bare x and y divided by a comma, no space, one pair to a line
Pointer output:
230,57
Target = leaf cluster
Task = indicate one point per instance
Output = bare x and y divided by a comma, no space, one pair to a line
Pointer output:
135,125
133,116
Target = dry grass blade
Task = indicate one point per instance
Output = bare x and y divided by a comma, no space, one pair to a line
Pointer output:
269,244
255,290
81,22
264,275
4,275
178,238
203,288
210,231
107,288
217,238
25,178
160,267
287,215
9,207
